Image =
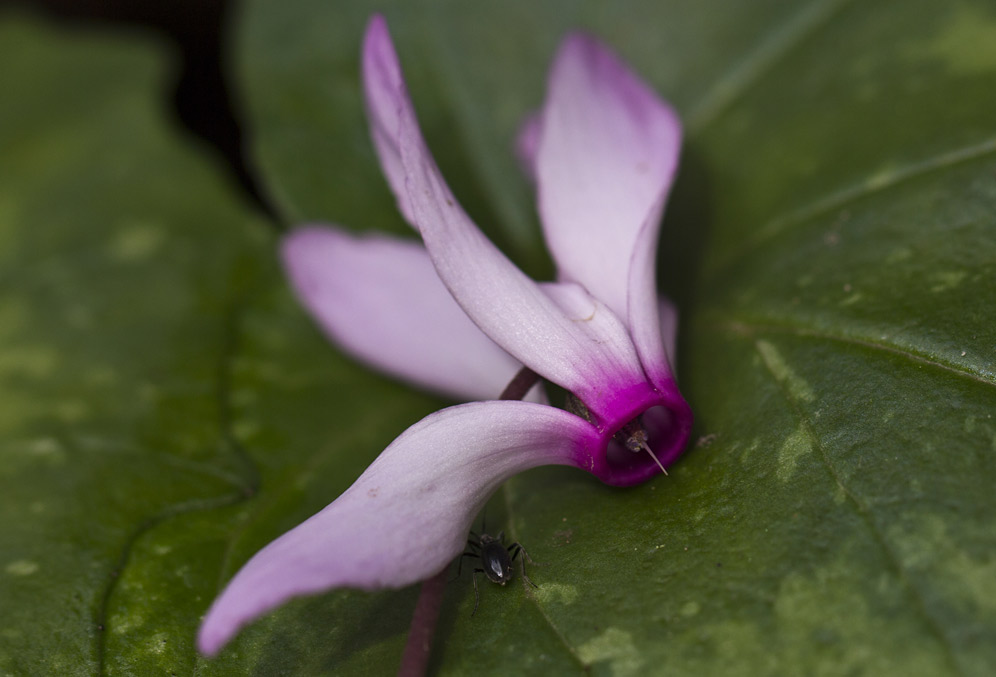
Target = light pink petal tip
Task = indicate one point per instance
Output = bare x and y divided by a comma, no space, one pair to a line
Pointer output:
507,305
408,515
383,88
605,162
380,299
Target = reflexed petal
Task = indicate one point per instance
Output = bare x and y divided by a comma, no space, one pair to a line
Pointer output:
380,299
606,159
603,326
408,515
643,303
382,82
527,144
507,305
669,330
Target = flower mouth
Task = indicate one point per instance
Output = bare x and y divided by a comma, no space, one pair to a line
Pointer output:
660,429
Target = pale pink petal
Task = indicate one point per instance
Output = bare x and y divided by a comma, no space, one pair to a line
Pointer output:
669,330
379,298
527,144
601,326
408,515
606,159
382,82
507,305
643,302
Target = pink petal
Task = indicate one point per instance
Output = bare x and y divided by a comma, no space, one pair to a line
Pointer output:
508,306
643,303
408,515
379,298
527,144
669,330
383,88
606,159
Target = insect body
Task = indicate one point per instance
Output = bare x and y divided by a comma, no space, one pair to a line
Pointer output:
496,560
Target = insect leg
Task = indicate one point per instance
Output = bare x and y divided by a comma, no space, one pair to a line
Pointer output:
515,549
477,595
460,562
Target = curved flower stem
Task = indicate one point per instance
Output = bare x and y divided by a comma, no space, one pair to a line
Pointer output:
415,659
520,384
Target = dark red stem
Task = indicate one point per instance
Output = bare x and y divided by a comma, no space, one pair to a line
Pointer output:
415,659
520,385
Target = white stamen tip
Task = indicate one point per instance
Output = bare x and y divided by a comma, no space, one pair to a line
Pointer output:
643,445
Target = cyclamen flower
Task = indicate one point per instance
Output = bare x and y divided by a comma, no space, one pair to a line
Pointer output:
458,317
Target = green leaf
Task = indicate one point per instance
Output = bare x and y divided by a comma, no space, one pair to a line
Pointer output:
831,242
122,257
146,343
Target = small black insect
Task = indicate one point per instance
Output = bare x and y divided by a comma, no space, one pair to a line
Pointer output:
496,560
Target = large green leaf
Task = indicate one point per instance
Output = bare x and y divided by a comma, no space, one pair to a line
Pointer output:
167,410
145,348
119,266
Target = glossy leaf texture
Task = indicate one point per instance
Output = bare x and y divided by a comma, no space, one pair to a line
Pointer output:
146,339
119,270
167,409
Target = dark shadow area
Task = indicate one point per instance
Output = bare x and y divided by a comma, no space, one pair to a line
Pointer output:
320,634
201,98
684,236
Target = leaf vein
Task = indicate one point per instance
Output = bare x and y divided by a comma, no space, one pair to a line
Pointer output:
114,575
248,488
585,668
862,510
749,328
856,191
772,49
